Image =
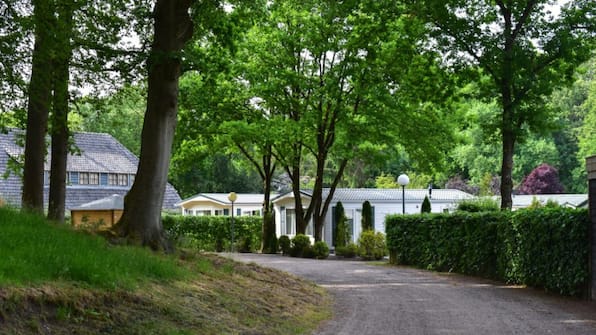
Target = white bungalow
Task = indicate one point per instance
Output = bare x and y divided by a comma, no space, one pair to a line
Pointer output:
219,204
383,202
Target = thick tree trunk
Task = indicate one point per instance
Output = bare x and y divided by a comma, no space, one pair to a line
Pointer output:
59,118
141,219
38,108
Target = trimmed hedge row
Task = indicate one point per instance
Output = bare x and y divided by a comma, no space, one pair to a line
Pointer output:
213,233
546,248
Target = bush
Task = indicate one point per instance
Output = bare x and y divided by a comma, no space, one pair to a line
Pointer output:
348,251
342,235
371,245
367,216
321,250
284,244
300,243
213,233
545,247
425,208
478,205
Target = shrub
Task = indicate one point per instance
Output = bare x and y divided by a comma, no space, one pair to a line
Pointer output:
544,247
371,245
321,250
478,205
542,180
284,244
367,216
342,235
213,233
300,242
425,208
348,251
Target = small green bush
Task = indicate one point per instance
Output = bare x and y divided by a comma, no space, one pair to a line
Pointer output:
285,244
348,251
478,205
300,242
321,250
371,245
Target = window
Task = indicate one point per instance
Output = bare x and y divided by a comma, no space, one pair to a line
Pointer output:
83,178
93,178
112,179
122,179
290,221
219,212
203,213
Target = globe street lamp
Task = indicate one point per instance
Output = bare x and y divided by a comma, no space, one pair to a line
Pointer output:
403,180
232,197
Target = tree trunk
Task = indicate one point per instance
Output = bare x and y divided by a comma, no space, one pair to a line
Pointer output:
59,118
269,239
141,219
38,108
508,132
508,139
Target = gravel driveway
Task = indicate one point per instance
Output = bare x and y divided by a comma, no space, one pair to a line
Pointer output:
372,299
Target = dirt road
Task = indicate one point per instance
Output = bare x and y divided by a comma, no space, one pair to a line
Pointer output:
371,299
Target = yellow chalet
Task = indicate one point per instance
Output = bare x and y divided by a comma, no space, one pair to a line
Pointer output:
246,204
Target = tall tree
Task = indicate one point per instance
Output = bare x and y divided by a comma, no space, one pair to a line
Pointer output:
331,75
141,219
39,95
60,107
524,48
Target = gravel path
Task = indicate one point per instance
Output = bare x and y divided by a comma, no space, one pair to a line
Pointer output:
371,299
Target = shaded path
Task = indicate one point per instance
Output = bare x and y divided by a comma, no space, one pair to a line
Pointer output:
373,299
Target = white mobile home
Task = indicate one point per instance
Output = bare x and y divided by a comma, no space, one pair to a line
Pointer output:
383,202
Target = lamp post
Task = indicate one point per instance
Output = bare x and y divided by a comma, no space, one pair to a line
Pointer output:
232,197
403,180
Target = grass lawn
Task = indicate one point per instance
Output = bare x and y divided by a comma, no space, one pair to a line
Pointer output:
58,281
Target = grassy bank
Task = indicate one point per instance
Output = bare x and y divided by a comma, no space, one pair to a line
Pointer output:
54,280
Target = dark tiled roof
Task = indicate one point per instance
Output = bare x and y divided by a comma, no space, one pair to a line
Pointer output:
98,153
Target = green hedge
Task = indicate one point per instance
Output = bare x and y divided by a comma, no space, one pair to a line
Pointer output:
213,233
545,247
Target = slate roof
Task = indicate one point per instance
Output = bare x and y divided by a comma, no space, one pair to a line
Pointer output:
391,194
99,152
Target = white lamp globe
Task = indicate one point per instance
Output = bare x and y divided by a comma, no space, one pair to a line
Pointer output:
403,180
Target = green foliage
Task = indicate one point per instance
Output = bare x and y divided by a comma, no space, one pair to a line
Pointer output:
300,244
342,233
372,245
285,244
545,248
386,181
348,251
213,233
321,250
40,252
425,207
478,205
367,216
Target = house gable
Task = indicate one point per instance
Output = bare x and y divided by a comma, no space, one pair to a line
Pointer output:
102,167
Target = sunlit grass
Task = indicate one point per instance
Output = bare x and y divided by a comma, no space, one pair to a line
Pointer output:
33,251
